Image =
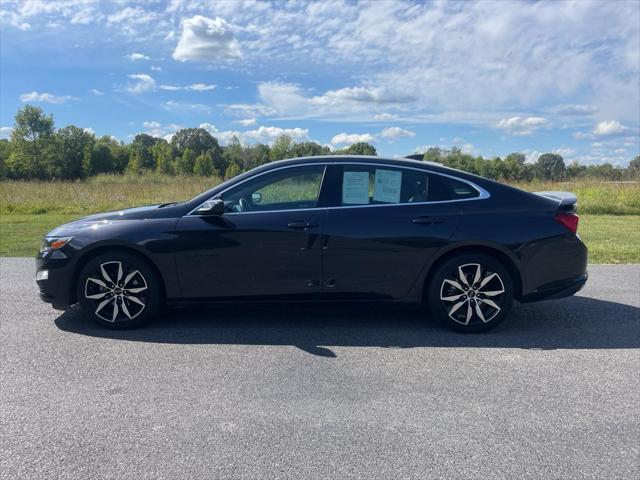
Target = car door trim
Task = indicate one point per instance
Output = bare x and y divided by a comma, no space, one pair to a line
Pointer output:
483,194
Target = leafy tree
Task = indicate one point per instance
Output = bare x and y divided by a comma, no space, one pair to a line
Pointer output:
204,165
258,155
550,166
634,165
164,157
233,170
360,148
233,153
119,152
433,154
308,149
72,142
198,140
185,163
5,151
281,147
141,153
512,166
31,144
97,159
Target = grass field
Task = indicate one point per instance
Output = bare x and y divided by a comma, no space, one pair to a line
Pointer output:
610,212
112,192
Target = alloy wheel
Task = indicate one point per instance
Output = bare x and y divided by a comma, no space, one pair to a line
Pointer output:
473,294
118,292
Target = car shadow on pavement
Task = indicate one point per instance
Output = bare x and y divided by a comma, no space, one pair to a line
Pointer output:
572,323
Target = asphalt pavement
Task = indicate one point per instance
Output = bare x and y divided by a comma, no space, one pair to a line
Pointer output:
316,393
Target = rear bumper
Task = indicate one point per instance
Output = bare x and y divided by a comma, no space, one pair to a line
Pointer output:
561,289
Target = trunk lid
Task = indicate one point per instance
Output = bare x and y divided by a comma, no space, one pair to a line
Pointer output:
567,201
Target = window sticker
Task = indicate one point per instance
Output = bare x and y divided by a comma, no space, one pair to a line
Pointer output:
355,188
387,186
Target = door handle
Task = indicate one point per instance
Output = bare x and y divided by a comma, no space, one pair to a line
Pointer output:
428,220
300,225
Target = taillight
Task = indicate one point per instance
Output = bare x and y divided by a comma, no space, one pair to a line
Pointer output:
568,220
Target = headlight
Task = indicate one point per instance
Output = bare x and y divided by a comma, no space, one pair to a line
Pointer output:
54,243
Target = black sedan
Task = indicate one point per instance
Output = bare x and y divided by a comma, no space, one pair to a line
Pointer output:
327,229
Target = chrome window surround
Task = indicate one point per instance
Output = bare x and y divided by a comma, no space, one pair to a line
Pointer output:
483,194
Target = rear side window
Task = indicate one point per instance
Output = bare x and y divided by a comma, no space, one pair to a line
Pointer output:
461,190
379,185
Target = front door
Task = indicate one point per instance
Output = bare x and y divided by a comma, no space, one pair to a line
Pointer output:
265,245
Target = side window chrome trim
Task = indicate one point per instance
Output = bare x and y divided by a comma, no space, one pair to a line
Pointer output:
483,194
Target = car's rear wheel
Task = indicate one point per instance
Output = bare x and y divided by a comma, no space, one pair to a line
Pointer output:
119,290
471,292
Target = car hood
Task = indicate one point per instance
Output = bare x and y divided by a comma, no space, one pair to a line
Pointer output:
95,221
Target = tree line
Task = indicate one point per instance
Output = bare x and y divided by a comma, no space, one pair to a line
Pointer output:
513,168
37,150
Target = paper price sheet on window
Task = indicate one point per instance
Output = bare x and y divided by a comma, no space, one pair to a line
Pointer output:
387,186
355,188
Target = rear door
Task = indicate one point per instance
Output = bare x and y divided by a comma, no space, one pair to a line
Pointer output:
384,224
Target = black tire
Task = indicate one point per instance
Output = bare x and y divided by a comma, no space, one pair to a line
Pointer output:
104,296
462,309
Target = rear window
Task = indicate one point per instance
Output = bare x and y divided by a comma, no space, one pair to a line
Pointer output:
460,190
379,185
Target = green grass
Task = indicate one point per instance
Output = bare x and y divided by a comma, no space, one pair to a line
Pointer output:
21,234
112,192
611,239
610,224
594,197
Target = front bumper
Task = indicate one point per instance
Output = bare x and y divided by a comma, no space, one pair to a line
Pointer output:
57,288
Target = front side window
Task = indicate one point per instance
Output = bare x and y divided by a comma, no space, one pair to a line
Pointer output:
379,185
286,189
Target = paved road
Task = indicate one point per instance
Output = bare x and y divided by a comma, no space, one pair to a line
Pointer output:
294,393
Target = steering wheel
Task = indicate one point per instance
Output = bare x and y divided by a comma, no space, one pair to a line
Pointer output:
244,205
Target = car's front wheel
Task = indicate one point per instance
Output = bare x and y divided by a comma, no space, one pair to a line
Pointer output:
471,292
119,290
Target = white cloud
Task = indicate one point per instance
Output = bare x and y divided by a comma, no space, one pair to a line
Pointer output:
131,20
247,122
564,151
531,156
351,138
156,69
385,116
289,100
174,106
209,128
97,92
577,109
266,135
137,56
245,110
5,132
609,127
45,98
392,133
195,87
158,130
206,39
89,130
522,126
143,83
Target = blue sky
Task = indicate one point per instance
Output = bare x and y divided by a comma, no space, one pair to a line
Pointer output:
489,77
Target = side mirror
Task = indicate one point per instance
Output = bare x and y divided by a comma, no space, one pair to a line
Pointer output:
256,197
212,207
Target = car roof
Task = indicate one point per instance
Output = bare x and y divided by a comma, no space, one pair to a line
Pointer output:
399,161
